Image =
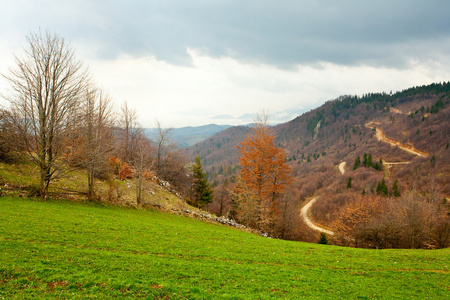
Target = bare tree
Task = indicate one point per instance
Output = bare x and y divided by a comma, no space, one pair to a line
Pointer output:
97,121
131,130
141,162
46,88
163,148
135,148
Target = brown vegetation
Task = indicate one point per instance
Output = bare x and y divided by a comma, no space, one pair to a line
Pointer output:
318,141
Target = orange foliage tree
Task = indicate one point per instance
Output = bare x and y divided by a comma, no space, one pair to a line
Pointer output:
355,214
264,172
121,169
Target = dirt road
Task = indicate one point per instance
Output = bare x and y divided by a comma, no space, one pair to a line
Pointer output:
381,137
341,167
304,214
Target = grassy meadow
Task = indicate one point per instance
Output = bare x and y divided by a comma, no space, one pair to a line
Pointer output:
75,250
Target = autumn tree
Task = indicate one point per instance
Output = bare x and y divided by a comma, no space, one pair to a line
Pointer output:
356,212
264,172
202,192
47,85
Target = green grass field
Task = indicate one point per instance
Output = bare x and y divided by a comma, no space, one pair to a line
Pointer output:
61,249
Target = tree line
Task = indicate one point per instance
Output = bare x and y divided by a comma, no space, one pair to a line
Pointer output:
63,121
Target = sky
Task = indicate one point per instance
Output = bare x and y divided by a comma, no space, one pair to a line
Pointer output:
192,63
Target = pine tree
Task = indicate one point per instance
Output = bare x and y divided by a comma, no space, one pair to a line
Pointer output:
395,189
365,160
202,191
369,160
357,163
323,239
349,183
382,189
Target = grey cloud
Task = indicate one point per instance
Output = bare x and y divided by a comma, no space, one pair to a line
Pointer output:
282,33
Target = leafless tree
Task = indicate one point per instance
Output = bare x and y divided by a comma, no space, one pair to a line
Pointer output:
96,136
46,88
222,200
163,147
131,130
141,162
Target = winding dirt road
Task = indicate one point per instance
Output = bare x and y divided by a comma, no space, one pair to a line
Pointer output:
381,137
304,214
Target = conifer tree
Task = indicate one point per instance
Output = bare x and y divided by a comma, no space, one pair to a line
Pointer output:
369,160
382,189
357,163
202,191
323,239
349,183
395,189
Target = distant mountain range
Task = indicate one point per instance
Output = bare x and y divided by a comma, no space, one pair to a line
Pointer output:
191,135
188,136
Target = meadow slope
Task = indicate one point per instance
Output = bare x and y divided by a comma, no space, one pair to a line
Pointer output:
62,249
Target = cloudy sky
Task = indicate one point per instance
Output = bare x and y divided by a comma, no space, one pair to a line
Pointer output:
190,63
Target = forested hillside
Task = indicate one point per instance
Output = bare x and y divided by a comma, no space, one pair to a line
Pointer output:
358,130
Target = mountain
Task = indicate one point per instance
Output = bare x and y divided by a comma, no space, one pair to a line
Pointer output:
405,134
191,135
188,136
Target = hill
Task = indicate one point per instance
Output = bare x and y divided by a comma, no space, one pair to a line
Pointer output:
62,249
344,129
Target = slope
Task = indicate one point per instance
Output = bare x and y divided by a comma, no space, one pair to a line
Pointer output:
62,249
318,141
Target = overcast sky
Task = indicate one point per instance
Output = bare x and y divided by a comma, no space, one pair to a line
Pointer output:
190,63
